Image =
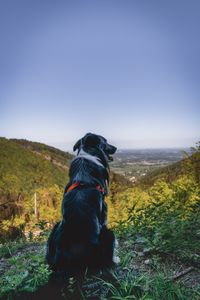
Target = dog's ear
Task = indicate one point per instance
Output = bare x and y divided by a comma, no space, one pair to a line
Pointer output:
91,140
77,145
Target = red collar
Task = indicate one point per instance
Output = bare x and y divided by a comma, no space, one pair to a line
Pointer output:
77,184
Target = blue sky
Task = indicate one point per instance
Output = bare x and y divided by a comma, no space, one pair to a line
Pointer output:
128,70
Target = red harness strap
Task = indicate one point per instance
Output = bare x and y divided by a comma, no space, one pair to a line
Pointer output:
76,184
73,186
101,189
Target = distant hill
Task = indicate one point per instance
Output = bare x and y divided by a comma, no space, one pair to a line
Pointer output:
27,167
189,164
56,156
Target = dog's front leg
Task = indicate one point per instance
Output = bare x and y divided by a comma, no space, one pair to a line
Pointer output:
107,244
103,217
107,237
51,246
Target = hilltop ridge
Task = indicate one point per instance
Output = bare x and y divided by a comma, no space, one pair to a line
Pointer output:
56,156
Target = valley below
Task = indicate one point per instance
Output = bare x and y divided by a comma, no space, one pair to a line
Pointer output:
134,163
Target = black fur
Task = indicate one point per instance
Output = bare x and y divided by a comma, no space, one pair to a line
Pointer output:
82,240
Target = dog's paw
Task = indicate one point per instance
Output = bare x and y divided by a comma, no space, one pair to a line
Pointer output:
116,260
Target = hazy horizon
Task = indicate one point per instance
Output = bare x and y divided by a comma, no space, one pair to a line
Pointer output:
69,146
127,70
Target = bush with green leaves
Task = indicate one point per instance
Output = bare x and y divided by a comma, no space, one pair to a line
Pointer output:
166,214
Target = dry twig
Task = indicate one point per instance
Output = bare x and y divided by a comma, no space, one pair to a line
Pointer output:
182,273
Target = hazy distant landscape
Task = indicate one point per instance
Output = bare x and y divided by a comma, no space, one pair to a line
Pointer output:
134,163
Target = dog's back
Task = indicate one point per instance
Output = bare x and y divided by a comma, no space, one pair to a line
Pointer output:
77,236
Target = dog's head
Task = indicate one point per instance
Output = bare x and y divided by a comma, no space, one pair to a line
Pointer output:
94,144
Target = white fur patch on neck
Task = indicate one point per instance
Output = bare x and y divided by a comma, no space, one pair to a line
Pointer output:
94,159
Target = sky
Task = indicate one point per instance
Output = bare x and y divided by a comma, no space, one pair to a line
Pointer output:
126,69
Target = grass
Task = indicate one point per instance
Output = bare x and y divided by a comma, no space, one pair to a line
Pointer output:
25,271
9,248
148,287
143,287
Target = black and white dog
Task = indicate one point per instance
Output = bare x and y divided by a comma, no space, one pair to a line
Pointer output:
82,240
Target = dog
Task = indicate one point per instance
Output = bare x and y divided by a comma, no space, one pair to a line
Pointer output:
81,240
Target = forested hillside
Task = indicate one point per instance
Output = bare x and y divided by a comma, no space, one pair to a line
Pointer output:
56,156
29,169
